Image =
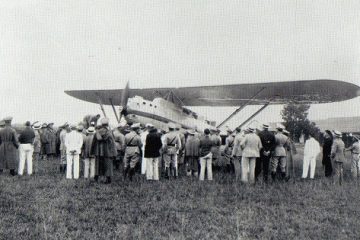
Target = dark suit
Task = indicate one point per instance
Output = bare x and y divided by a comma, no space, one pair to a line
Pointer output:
262,164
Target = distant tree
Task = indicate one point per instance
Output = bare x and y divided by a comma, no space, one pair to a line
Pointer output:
296,121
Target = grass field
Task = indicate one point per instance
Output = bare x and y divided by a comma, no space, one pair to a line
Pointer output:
47,206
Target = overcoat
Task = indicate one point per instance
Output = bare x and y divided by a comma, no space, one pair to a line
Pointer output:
37,142
49,141
8,148
103,144
153,145
337,150
192,146
104,149
280,144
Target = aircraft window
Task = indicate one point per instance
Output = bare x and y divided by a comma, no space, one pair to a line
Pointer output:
144,103
133,115
150,105
155,106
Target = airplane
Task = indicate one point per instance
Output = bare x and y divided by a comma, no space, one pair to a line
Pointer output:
161,106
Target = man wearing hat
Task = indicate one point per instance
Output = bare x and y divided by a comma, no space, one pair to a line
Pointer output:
236,154
279,154
43,140
73,145
104,149
311,151
355,151
49,141
37,146
2,124
152,148
80,128
215,150
143,136
8,147
89,119
132,150
171,145
26,149
251,145
119,138
326,160
181,154
338,156
268,142
64,131
89,159
229,145
205,146
192,147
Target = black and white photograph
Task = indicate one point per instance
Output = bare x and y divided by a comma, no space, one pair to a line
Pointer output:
184,119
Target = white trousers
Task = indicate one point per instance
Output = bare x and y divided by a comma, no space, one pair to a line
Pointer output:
72,166
152,168
89,167
248,169
309,161
143,164
206,162
26,154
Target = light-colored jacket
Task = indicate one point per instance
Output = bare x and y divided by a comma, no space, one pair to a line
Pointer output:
171,142
133,143
251,145
73,141
119,140
337,150
280,142
237,150
62,139
312,148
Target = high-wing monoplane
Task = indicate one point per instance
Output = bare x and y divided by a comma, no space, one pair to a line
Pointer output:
160,106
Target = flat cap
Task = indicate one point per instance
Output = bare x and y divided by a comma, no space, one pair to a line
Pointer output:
265,125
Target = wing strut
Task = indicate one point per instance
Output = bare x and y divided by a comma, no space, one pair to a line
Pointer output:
115,113
101,106
252,116
240,108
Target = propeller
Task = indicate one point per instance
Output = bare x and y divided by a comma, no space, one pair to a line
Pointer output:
124,100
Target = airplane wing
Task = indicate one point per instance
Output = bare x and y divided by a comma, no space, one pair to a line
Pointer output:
308,91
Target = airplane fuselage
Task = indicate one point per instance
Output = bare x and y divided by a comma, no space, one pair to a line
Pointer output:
160,112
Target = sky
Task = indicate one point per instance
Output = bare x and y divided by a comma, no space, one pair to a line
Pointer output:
50,46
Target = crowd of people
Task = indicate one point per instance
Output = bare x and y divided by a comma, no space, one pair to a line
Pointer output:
250,154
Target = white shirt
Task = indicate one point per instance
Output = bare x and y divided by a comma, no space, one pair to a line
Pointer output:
312,148
73,141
